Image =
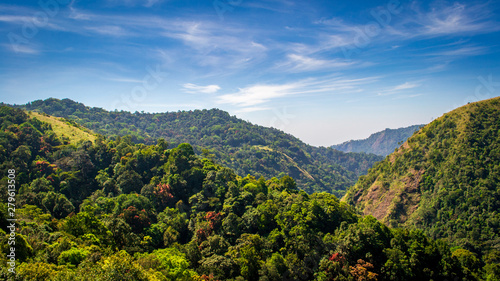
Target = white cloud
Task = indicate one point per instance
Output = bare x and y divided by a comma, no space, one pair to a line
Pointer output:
463,51
213,45
15,19
297,62
22,49
112,30
438,67
78,15
150,3
192,88
399,88
209,37
261,94
125,80
407,96
458,18
405,86
412,24
132,3
257,45
258,94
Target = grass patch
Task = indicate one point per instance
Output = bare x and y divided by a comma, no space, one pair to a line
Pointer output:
65,129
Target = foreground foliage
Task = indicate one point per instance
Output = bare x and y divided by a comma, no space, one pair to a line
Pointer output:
115,210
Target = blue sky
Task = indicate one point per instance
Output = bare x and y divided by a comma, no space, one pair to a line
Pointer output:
324,71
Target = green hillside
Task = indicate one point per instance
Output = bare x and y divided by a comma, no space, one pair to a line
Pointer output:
66,129
115,210
445,180
228,140
382,143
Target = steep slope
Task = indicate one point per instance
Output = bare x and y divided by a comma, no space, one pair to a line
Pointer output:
115,210
445,179
381,143
229,140
65,129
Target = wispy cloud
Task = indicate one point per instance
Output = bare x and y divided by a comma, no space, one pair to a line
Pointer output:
457,19
216,45
193,88
462,51
300,63
77,14
132,3
260,94
212,44
405,86
438,67
398,88
112,30
412,24
451,20
407,96
15,19
125,80
22,48
29,18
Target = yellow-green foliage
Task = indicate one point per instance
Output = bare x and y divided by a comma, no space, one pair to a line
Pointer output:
65,129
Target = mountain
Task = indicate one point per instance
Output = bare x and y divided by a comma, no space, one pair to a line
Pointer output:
382,143
240,145
115,210
445,180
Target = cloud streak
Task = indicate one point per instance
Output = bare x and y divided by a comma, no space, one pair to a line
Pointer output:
251,96
301,63
399,88
192,88
133,3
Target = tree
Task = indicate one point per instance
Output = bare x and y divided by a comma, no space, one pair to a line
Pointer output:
129,181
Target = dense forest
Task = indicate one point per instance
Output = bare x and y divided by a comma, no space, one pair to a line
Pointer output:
382,143
113,209
232,142
444,180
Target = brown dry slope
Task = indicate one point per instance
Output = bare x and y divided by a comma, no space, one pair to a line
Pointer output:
444,179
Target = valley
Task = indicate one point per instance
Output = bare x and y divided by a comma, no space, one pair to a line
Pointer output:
91,206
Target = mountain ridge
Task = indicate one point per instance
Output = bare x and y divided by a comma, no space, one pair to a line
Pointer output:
380,143
229,140
445,179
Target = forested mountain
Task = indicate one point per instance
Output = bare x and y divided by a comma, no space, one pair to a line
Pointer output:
445,180
115,210
382,143
240,145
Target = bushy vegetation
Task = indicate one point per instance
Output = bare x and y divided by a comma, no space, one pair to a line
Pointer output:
455,163
225,139
115,210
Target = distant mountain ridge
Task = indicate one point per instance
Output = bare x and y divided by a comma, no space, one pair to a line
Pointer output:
445,179
381,143
240,145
